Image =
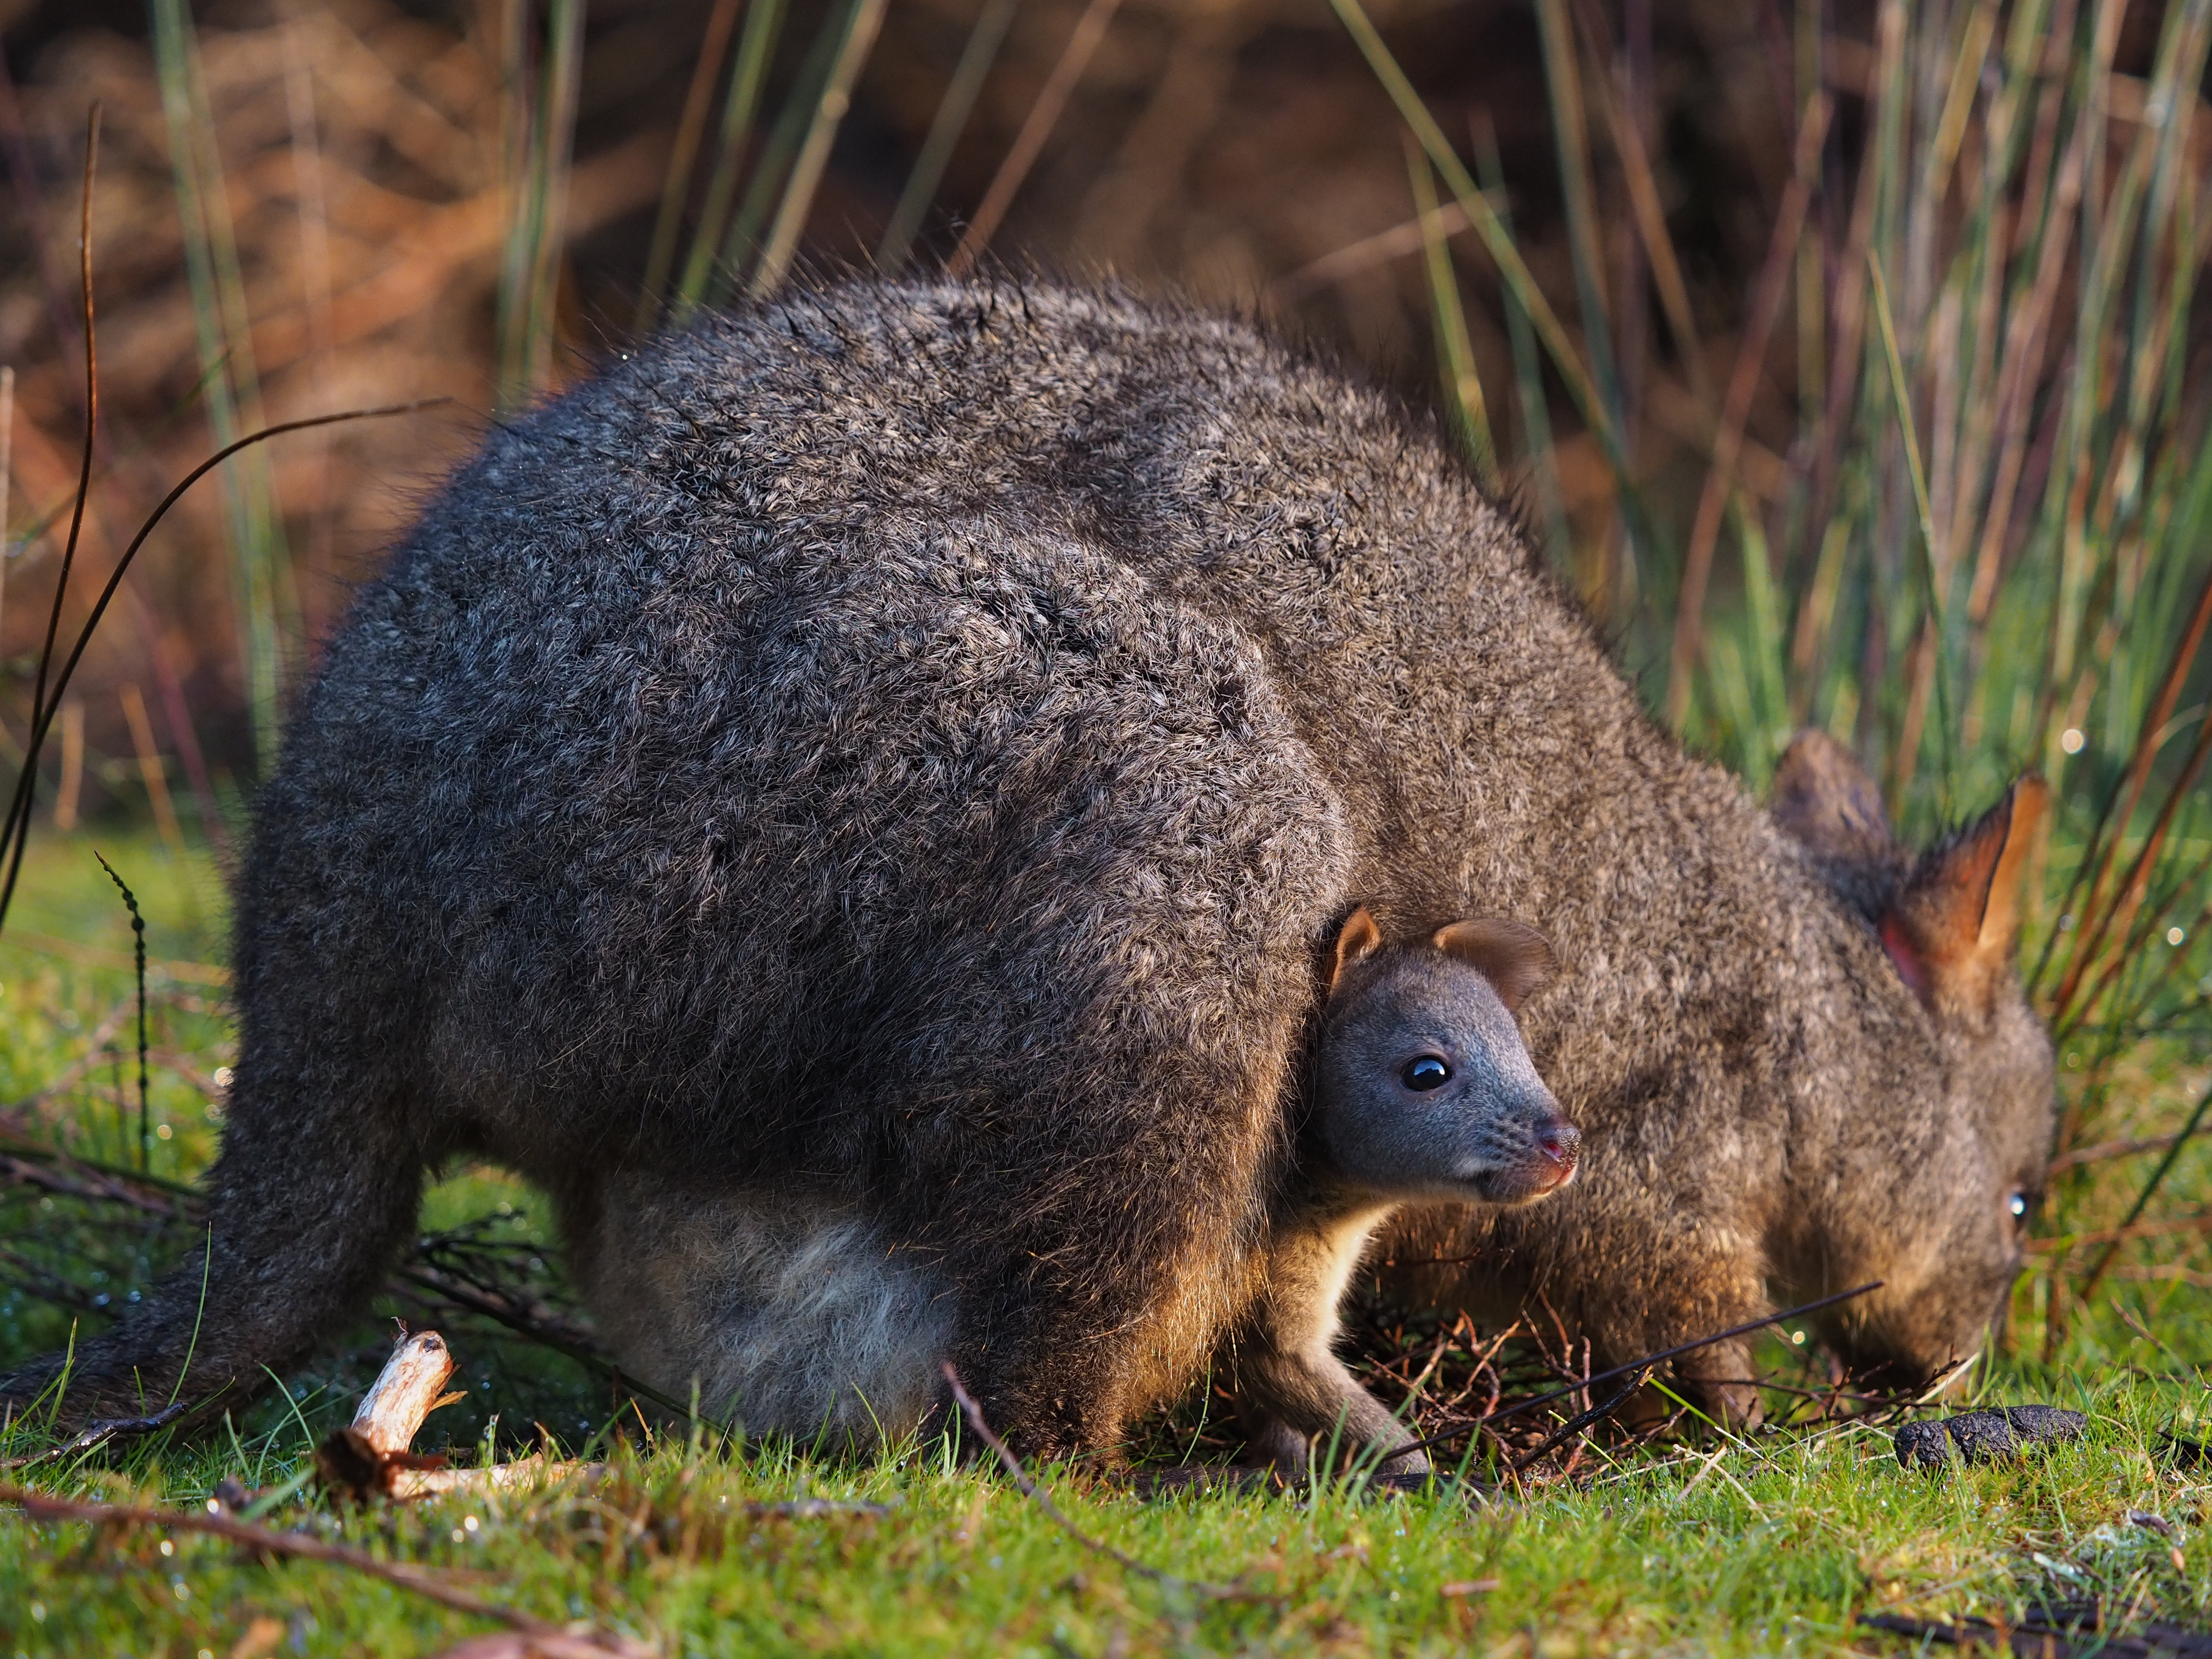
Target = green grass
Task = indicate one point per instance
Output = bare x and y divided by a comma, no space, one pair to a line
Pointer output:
1773,1542
1759,1549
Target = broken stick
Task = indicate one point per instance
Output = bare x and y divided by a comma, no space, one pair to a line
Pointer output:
371,1457
408,1388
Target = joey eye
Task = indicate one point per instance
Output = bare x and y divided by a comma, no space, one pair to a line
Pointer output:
1426,1073
2017,1204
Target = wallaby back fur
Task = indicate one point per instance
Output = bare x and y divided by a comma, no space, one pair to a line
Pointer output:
891,761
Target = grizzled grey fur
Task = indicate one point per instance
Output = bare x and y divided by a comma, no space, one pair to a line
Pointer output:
854,800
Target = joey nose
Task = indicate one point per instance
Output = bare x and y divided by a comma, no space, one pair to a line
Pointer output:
1561,1144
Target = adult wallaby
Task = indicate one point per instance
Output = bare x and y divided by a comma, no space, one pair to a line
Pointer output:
892,762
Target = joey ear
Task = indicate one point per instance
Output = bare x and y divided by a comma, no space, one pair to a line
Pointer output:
1953,930
1358,937
1824,799
1511,955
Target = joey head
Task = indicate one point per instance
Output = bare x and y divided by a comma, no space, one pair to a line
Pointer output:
1419,1090
1421,1087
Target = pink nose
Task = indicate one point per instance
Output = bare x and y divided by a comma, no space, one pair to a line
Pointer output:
1561,1142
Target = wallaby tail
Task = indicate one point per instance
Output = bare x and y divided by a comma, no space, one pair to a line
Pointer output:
316,1189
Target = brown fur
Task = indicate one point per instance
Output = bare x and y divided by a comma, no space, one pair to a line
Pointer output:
912,744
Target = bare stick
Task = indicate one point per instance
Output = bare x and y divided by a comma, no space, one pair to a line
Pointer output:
372,1456
408,1388
98,1433
406,1485
423,1580
1588,1419
517,1644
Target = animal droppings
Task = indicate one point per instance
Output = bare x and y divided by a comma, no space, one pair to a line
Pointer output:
1984,1437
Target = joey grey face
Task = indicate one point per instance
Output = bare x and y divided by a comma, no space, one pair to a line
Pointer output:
1422,1087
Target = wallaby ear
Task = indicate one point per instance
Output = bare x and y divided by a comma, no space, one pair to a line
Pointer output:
1511,955
1954,928
1358,937
1825,800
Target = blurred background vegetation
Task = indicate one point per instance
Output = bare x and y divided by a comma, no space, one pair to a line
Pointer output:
1841,354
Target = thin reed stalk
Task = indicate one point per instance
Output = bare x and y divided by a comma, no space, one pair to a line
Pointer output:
865,18
1455,351
1570,141
15,832
1536,447
7,470
953,109
261,563
1767,295
740,104
676,185
771,174
1496,238
1643,198
1029,142
14,835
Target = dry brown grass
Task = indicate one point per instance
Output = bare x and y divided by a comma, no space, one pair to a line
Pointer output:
1222,147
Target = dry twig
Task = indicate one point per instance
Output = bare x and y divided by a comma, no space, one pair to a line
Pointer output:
1646,1365
268,1541
371,1457
1037,1495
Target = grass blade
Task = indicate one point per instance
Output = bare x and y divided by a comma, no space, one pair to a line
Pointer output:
1029,143
1571,138
771,173
2149,1189
1651,216
530,270
764,20
860,26
1495,237
1455,351
675,187
1528,368
260,564
1931,557
953,109
1771,290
